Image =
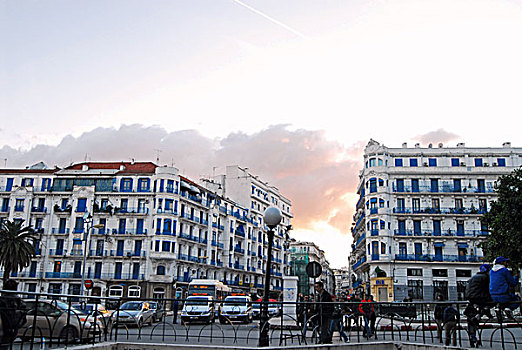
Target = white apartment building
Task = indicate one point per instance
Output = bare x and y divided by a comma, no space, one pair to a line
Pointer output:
146,230
417,224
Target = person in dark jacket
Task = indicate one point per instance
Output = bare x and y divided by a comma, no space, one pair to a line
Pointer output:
502,284
438,313
477,292
450,317
324,312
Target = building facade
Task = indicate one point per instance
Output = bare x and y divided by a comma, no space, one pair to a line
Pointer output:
417,225
144,230
303,253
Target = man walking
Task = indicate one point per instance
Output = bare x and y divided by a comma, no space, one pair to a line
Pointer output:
324,312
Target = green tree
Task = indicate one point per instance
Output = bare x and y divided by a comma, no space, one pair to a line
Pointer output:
16,246
504,220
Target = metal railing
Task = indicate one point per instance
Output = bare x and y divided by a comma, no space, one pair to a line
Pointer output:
52,320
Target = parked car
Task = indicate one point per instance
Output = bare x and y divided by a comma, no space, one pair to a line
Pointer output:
103,316
158,311
135,313
198,308
274,309
57,320
236,308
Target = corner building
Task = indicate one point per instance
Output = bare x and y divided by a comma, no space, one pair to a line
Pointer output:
417,228
149,230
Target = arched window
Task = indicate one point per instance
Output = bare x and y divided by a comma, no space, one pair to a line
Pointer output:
115,291
134,292
160,270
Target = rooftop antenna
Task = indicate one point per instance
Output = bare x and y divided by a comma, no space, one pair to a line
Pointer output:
158,151
5,162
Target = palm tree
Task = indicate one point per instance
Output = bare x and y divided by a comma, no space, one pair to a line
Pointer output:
16,246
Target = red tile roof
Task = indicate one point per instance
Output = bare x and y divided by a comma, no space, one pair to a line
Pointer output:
130,168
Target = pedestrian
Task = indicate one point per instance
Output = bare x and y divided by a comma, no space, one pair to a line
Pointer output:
336,323
438,315
12,314
477,292
450,317
324,311
502,284
366,309
300,309
175,307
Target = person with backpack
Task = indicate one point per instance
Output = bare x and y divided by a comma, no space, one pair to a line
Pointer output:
12,314
450,317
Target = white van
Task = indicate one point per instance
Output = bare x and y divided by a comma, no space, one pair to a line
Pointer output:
236,308
198,308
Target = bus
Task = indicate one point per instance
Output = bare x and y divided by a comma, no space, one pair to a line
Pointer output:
213,288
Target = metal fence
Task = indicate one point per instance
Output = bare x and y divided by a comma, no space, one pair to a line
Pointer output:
53,320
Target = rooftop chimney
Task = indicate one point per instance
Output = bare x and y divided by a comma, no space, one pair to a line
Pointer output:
441,145
404,145
461,144
506,144
417,145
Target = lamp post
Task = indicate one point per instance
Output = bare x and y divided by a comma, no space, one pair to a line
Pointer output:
272,217
87,219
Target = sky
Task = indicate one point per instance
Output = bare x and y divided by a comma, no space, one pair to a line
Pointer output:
291,89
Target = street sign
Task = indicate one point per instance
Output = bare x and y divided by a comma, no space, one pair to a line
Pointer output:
314,269
88,284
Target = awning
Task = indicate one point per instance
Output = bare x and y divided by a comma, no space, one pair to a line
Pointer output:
462,245
438,244
77,241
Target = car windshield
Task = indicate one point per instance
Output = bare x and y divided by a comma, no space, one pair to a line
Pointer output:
131,306
64,306
196,301
235,301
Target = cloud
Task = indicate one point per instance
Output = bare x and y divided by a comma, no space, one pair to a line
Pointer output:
437,136
315,173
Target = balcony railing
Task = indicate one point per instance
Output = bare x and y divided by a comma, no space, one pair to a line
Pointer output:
442,189
436,211
438,257
445,233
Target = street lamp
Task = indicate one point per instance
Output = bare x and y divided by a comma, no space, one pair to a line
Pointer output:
87,219
272,217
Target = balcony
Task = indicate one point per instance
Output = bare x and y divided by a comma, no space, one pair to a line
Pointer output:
438,257
444,188
4,210
446,233
57,252
439,211
60,231
359,262
166,211
40,210
131,210
19,208
63,275
128,231
76,252
239,250
217,244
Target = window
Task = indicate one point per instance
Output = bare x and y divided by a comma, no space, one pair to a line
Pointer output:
501,161
398,162
435,205
415,185
415,289
403,249
414,162
134,292
455,162
383,248
440,273
417,228
372,162
479,162
126,185
27,182
457,185
400,185
414,272
115,291
160,270
434,185
432,162
82,205
440,288
436,228
143,185
19,204
463,273
415,203
165,246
